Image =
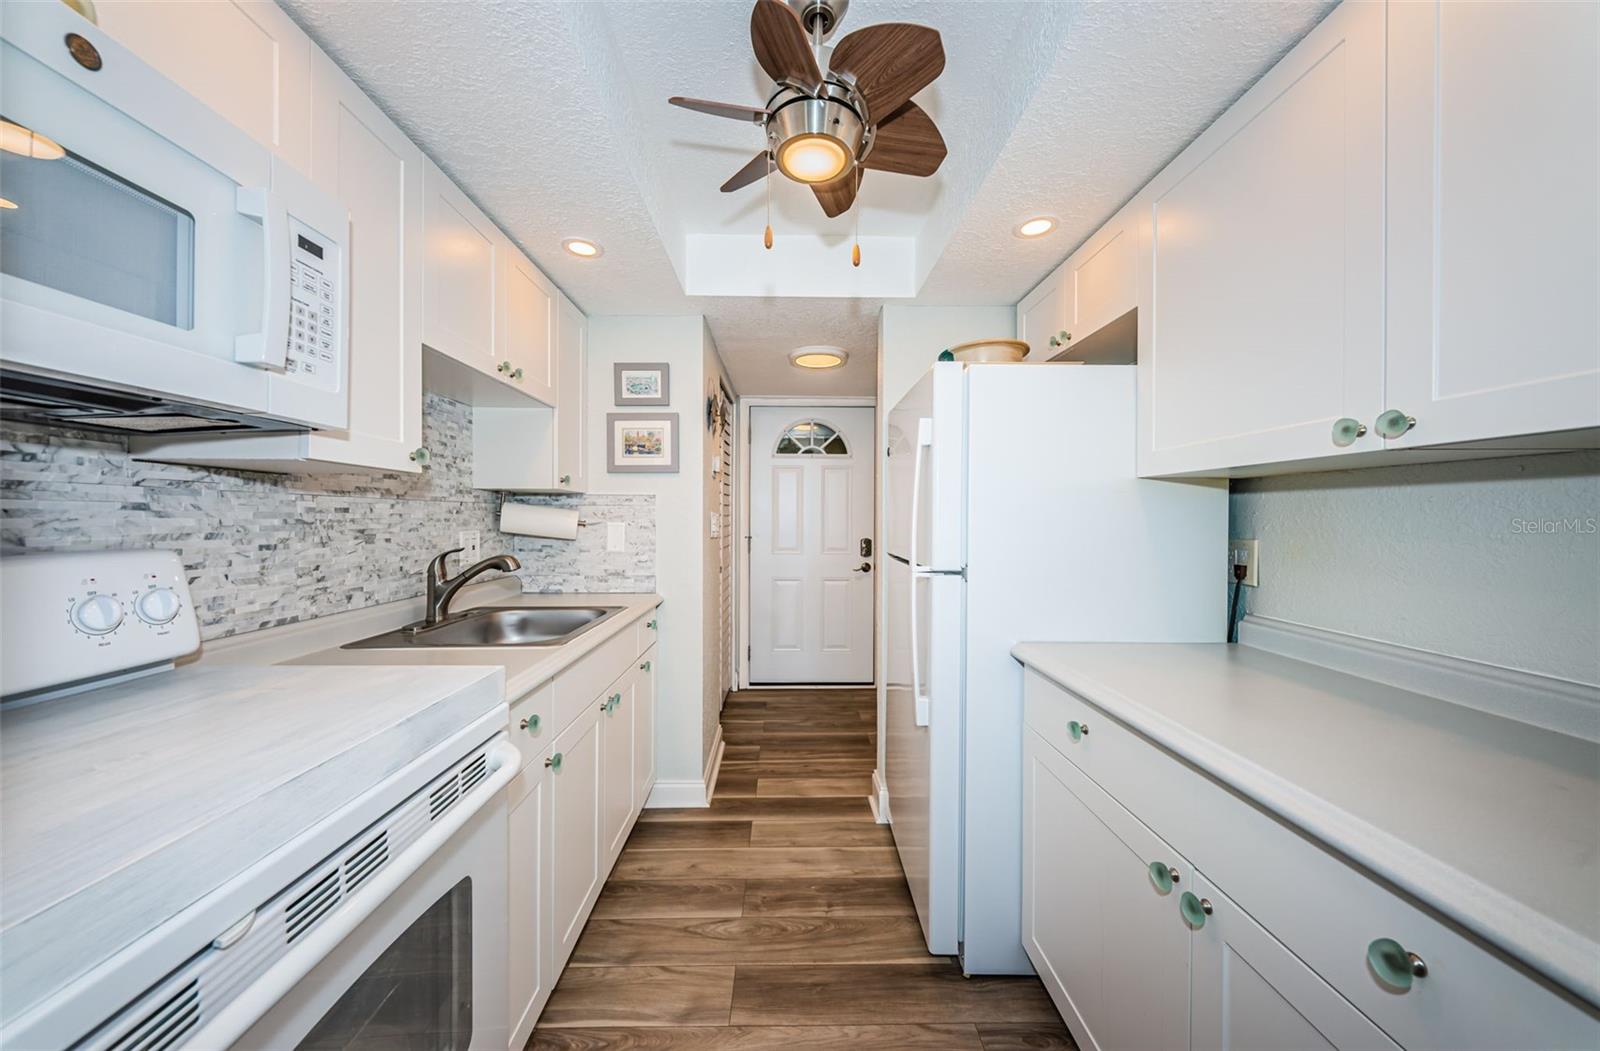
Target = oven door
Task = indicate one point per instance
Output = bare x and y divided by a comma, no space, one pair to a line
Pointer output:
146,244
426,970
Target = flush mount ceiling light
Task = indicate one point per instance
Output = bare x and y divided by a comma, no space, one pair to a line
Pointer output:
818,357
6,205
1038,226
25,142
581,248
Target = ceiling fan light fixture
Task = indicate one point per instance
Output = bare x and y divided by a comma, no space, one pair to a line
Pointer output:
25,142
1038,226
813,157
581,248
818,357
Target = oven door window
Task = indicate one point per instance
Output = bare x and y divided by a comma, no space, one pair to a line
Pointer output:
70,225
417,994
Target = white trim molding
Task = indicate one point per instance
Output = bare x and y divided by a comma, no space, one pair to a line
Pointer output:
691,792
879,799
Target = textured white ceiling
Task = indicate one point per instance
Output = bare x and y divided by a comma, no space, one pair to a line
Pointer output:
552,116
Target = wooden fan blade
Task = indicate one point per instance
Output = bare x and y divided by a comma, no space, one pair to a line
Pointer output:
889,63
837,196
722,109
781,45
755,171
907,142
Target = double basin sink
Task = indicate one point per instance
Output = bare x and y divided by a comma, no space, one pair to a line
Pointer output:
495,626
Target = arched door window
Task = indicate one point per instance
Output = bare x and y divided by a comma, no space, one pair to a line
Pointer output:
811,437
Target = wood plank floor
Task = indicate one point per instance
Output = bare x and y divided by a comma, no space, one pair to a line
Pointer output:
778,919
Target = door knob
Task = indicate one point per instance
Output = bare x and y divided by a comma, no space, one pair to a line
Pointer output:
865,567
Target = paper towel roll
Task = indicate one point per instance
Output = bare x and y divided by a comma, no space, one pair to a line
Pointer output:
557,523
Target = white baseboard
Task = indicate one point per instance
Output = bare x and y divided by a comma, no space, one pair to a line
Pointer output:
675,794
714,767
691,792
879,799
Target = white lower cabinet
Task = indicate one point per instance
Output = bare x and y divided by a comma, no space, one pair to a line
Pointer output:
1249,993
1283,958
571,808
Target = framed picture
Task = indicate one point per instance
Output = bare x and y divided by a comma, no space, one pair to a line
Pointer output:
642,442
642,383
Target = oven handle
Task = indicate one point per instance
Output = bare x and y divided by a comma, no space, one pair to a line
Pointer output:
504,761
269,348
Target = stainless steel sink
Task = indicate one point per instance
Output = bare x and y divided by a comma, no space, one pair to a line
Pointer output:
495,626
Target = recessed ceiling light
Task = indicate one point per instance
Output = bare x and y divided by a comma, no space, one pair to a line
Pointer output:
818,357
581,248
7,205
1038,226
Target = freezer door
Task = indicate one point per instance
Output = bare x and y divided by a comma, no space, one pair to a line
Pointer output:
922,743
925,478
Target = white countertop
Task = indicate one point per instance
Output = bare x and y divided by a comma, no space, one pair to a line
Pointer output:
1500,823
526,667
122,807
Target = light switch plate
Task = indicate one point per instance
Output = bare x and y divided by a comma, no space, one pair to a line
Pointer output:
1248,552
616,536
467,540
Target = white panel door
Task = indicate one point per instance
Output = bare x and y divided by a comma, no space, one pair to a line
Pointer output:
245,59
1041,314
1494,204
811,486
574,846
528,325
1250,993
360,157
616,765
644,728
460,273
528,943
572,400
1267,264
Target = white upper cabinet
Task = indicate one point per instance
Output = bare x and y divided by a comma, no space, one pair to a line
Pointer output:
1494,204
461,274
527,326
1266,240
245,59
1040,317
1101,280
572,397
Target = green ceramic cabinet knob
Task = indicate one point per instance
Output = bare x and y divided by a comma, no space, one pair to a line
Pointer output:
554,762
530,724
651,625
420,456
645,666
1393,965
1194,910
1077,730
1347,430
1161,876
1394,423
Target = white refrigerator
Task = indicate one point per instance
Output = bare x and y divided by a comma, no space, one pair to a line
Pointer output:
1013,514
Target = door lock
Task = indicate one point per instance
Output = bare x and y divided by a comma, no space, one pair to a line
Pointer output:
866,547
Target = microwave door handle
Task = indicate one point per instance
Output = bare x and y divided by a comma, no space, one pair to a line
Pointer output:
269,348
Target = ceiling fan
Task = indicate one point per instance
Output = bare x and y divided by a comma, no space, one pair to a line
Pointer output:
823,129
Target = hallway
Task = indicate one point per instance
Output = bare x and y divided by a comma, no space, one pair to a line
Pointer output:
778,918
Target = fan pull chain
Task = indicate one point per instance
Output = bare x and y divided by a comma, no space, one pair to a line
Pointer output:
766,238
855,206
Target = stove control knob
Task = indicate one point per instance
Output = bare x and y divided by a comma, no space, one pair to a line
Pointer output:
97,615
157,606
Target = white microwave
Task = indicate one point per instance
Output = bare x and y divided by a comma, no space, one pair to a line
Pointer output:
160,271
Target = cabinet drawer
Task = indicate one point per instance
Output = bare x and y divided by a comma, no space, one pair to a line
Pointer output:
1134,771
531,731
1328,911
582,683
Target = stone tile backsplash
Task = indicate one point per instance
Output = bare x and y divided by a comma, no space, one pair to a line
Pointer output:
266,549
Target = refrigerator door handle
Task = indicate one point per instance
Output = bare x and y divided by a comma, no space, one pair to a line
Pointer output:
924,441
920,705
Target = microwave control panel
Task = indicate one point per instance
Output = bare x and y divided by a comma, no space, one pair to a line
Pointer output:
314,356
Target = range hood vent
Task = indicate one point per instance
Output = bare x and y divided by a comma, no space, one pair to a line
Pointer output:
69,403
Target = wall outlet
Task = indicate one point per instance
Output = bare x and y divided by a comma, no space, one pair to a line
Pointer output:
616,536
467,541
1247,552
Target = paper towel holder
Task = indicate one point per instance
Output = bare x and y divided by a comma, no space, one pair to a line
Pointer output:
501,506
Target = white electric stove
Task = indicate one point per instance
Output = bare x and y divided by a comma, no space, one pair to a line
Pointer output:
253,857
